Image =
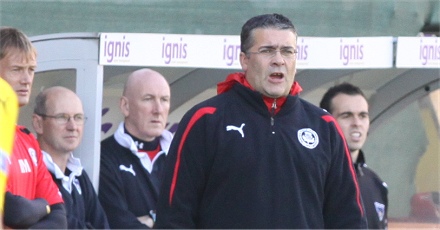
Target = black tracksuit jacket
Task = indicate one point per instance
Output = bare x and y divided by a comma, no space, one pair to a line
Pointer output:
82,205
126,189
291,169
374,194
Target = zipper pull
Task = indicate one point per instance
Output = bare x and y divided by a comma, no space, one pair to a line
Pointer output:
272,120
274,106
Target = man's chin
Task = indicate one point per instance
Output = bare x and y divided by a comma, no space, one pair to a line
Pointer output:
354,148
22,101
21,104
155,132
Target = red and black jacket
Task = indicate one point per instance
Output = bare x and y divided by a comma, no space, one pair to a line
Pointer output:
237,163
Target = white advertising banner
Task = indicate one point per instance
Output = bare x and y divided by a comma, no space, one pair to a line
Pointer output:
223,51
345,52
174,50
418,52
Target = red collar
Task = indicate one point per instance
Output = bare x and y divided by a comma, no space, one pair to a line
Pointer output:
240,78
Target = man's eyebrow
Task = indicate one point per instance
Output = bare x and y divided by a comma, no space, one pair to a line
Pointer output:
274,47
267,47
345,113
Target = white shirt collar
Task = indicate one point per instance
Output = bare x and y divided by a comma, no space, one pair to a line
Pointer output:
73,164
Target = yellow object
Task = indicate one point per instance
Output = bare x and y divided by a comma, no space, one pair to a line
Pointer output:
8,119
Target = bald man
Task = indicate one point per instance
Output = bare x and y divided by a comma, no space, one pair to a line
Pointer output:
58,121
132,159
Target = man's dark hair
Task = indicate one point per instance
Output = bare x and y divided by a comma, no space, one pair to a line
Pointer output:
344,88
40,103
276,21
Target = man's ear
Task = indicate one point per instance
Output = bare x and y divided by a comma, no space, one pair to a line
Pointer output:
37,123
244,61
123,105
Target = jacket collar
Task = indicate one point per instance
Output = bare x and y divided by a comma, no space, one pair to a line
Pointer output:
240,78
360,159
126,141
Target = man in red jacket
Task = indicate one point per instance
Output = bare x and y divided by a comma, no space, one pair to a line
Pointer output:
32,199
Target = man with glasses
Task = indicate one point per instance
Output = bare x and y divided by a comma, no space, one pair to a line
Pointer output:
257,155
58,121
32,199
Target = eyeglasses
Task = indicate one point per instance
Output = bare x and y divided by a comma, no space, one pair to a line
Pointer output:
288,53
63,118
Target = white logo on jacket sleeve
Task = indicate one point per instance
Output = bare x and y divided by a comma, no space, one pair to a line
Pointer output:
380,209
125,168
308,138
235,128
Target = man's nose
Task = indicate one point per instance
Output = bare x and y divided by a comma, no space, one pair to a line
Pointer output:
357,120
158,107
26,77
278,59
71,124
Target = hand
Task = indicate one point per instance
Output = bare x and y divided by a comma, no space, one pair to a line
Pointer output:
147,220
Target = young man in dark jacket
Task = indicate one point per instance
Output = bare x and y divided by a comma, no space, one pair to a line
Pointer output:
348,104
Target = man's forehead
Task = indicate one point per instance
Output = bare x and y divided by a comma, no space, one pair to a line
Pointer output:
157,93
61,98
21,58
152,87
271,37
350,110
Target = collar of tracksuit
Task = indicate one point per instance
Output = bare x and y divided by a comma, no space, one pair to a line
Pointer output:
126,141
